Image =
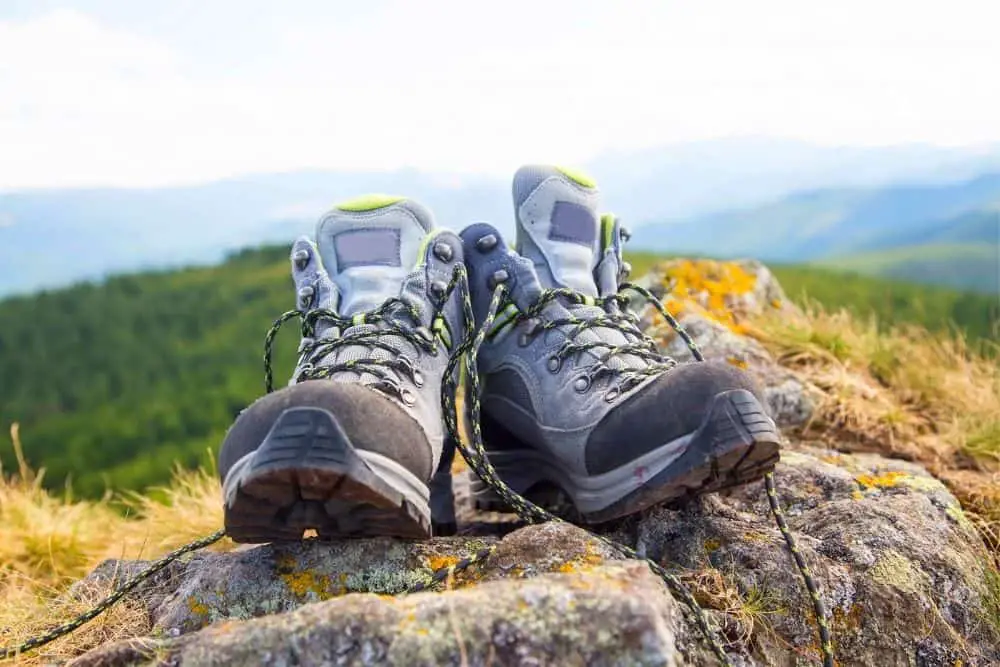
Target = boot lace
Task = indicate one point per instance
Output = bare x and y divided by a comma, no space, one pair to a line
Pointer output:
638,358
474,452
387,328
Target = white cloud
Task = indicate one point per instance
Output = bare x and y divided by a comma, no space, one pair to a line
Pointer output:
459,86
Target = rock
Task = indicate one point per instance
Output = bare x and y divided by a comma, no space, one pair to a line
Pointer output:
711,300
904,575
614,614
900,568
898,565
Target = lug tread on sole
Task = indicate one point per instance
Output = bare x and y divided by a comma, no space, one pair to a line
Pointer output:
309,478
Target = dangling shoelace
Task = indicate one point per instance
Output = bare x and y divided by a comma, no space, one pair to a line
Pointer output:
474,454
477,459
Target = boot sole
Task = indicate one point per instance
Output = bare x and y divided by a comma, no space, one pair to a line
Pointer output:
307,475
737,443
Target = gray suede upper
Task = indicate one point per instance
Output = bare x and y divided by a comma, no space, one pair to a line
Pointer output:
589,427
393,251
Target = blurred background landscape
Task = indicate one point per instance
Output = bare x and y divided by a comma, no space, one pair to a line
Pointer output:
157,161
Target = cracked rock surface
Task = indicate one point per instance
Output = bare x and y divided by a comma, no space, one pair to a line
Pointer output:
899,568
902,572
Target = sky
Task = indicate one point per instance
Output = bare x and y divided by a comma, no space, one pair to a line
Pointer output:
141,94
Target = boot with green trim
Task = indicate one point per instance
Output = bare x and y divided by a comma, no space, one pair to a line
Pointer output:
349,447
577,403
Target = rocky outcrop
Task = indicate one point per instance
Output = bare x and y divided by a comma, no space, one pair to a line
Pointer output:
902,572
712,301
904,576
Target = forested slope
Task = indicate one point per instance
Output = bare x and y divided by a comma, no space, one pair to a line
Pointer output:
114,382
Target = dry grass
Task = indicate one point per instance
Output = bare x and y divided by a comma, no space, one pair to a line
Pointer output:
48,541
905,393
747,613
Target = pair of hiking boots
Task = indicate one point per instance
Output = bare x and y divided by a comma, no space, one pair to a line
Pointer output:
576,402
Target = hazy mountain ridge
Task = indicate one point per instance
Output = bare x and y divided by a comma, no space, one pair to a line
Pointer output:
50,238
945,234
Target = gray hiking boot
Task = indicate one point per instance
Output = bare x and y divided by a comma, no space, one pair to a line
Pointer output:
349,447
576,401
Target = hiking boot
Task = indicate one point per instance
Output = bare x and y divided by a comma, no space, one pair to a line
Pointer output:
349,447
577,403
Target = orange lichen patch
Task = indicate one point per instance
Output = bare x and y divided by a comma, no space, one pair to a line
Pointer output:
463,578
886,480
587,561
776,303
711,277
303,582
713,544
756,536
736,361
850,619
197,607
673,306
437,562
707,286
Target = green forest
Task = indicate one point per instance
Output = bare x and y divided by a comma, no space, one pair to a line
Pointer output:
115,382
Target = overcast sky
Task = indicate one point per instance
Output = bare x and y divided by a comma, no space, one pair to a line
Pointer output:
151,93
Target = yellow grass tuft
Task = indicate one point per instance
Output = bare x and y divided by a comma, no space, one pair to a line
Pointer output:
48,541
902,392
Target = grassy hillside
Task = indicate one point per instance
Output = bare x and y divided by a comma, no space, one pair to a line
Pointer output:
114,382
965,266
894,302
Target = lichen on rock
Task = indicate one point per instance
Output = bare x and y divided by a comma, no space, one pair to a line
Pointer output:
899,566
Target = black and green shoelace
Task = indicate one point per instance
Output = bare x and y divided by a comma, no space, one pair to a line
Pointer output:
474,453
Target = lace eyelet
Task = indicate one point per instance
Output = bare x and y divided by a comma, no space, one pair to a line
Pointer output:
554,364
581,384
443,252
301,371
407,397
306,296
499,277
438,289
301,259
418,378
486,243
611,395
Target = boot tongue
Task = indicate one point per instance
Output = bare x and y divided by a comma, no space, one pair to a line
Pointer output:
369,245
558,226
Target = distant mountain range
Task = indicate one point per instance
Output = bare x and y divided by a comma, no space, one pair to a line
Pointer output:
945,234
779,200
